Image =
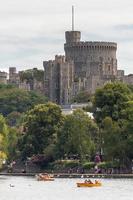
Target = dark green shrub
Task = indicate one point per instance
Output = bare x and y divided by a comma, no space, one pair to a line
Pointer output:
107,165
65,164
88,165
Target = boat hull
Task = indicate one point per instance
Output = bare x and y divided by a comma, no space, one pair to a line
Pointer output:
44,178
89,184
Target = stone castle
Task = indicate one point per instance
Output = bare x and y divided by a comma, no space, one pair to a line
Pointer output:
32,79
85,67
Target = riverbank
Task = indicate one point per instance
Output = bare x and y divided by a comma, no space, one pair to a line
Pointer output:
66,175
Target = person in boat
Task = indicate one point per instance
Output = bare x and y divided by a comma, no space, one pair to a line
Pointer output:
96,182
88,181
40,175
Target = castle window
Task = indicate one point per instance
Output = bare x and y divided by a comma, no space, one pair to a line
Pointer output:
101,59
109,68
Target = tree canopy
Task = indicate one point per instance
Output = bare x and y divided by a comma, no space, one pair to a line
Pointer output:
113,110
82,97
3,139
41,125
111,100
77,135
13,99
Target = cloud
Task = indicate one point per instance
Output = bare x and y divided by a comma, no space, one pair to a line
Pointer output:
124,27
32,31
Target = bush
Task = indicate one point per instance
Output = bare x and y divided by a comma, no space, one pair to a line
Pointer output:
65,164
88,165
71,163
107,165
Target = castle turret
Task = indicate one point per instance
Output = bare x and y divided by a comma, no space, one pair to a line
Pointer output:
72,36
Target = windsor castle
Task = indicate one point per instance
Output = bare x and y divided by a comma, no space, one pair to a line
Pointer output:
84,67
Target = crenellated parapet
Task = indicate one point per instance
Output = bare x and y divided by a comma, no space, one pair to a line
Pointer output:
91,45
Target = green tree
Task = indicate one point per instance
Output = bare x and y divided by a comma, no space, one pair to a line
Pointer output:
113,141
13,118
113,110
31,74
82,97
8,141
3,139
41,125
12,143
17,100
110,101
128,132
77,135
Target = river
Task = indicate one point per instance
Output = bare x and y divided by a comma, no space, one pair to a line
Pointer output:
28,188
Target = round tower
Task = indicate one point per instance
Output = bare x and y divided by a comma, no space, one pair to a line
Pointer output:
72,36
92,58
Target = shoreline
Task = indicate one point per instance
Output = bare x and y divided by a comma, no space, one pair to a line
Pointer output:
72,175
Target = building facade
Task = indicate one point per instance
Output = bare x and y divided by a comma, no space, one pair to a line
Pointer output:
58,79
85,67
3,77
29,80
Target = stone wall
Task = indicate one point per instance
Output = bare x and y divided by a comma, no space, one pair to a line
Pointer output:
58,79
3,77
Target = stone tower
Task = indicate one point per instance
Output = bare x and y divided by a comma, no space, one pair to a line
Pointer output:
13,76
94,61
58,79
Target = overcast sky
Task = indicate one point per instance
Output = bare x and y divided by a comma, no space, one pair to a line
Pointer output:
33,30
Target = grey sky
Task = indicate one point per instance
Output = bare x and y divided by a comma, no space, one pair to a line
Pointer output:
33,30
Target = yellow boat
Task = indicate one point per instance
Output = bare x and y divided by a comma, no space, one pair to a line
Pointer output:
89,184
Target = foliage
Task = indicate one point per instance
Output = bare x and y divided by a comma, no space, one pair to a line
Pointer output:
107,165
6,86
2,158
3,139
66,164
17,100
77,135
88,165
12,148
82,97
41,125
8,140
13,118
31,74
71,163
111,101
117,140
113,110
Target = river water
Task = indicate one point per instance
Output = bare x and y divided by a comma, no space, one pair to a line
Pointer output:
28,188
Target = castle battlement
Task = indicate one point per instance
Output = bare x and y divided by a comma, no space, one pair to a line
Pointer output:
92,45
86,66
